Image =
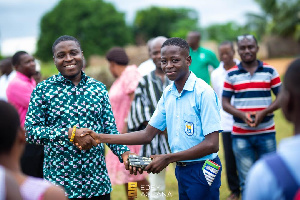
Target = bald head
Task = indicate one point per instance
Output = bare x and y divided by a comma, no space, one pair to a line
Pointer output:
155,48
156,41
193,39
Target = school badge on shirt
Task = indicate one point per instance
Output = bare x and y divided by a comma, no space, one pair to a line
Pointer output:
189,128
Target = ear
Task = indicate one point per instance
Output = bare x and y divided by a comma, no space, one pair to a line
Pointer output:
188,60
287,104
21,135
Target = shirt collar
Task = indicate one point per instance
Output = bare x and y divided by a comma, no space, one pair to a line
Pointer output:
24,77
189,84
61,78
260,65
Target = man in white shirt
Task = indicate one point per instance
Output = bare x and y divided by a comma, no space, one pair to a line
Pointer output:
226,53
147,66
8,74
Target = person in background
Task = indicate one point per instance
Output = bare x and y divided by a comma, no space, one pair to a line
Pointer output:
7,75
18,94
12,143
60,109
277,175
9,189
37,76
146,97
202,58
251,83
120,95
226,54
147,66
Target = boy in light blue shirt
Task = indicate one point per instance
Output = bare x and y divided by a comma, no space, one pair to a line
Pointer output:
190,110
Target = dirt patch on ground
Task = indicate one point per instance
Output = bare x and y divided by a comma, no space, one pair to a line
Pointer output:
280,64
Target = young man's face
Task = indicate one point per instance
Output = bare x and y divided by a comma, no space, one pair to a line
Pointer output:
226,53
175,62
247,49
26,65
68,59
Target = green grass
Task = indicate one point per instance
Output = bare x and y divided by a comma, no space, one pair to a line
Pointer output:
48,69
283,130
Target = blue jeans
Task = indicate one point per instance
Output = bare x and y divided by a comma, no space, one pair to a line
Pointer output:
248,149
192,184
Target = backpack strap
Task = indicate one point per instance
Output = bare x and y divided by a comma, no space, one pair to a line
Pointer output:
284,178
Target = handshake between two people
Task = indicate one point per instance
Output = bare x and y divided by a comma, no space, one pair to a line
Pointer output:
85,139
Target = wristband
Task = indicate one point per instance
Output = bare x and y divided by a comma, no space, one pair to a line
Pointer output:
73,133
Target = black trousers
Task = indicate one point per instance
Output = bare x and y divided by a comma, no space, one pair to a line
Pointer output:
231,170
32,160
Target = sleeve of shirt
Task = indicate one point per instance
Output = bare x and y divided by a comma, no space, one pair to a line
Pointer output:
228,89
275,82
158,119
19,93
261,188
213,60
36,130
140,108
110,126
209,107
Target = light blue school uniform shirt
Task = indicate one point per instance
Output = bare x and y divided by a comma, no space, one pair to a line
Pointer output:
189,116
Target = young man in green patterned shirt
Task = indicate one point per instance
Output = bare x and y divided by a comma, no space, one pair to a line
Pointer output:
57,104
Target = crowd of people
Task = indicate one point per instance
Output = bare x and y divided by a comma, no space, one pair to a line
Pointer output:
170,108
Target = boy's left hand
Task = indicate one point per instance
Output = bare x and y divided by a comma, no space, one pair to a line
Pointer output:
159,162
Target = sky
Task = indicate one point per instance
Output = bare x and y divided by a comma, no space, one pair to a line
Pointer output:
21,18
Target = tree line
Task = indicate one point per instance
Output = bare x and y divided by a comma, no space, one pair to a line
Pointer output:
99,26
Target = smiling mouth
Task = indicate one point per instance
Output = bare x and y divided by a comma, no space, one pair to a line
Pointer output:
70,66
170,73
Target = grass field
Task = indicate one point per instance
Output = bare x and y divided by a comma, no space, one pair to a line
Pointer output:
283,129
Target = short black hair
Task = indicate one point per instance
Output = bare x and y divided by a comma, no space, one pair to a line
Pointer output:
117,55
227,42
179,42
16,57
9,124
64,38
292,77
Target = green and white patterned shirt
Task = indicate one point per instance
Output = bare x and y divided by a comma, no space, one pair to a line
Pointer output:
56,105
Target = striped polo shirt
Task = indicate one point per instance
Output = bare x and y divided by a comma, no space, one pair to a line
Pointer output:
252,93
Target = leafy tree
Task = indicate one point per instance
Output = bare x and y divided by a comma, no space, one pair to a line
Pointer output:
279,17
96,24
169,22
222,32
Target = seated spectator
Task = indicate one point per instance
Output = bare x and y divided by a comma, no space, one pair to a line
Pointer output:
9,188
12,144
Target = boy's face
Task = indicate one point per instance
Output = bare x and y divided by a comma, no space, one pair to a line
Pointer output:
175,62
226,53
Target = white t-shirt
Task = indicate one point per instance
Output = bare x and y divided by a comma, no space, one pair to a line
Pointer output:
217,81
4,81
146,67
